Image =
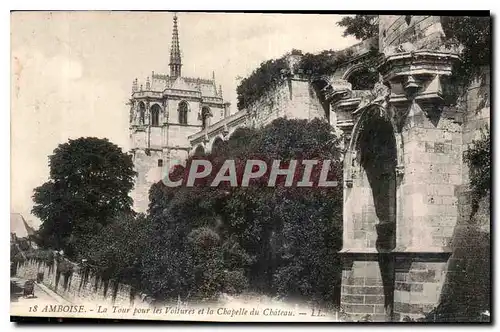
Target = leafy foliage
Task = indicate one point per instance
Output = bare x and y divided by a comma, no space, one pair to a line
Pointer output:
478,157
272,73
360,26
90,179
205,240
45,256
263,79
474,34
323,63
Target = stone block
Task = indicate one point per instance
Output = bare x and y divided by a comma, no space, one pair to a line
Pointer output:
352,299
422,276
374,299
361,309
373,281
402,286
401,307
401,296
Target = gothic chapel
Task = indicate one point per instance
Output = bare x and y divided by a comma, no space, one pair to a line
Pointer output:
164,112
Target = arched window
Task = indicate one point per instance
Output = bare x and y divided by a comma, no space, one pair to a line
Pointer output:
199,151
142,112
205,114
183,113
155,115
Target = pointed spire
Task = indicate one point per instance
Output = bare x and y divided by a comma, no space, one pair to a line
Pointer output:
175,52
220,91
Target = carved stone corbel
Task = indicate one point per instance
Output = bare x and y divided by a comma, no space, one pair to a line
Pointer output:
417,77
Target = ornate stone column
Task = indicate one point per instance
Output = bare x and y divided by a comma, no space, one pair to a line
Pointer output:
428,173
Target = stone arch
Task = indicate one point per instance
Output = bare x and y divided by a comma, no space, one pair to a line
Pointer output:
319,84
352,69
354,137
142,112
218,144
371,180
361,76
199,150
155,115
232,130
182,111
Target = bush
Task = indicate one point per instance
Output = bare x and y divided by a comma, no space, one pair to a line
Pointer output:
478,157
235,282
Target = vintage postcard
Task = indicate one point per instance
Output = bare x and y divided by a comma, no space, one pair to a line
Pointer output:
250,167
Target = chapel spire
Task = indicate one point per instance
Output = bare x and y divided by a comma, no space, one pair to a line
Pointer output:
175,52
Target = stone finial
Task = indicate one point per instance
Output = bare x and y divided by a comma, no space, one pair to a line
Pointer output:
134,85
141,88
148,84
411,86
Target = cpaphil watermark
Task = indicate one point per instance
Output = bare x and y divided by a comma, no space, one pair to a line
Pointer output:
238,173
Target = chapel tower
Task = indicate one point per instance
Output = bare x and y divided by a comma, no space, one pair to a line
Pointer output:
164,112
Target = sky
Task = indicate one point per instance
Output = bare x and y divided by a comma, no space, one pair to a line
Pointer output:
72,72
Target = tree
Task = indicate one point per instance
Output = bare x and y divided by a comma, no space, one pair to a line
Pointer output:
474,35
360,26
116,251
90,179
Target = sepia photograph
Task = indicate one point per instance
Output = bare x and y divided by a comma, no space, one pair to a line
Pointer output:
211,166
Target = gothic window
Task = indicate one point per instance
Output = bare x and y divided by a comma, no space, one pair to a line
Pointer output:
183,113
155,115
205,114
142,113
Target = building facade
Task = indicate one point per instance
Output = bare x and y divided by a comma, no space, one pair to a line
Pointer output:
164,112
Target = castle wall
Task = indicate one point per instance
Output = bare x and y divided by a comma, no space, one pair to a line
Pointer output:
81,288
446,219
294,99
424,32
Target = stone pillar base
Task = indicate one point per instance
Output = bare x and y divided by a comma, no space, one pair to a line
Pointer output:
419,279
362,296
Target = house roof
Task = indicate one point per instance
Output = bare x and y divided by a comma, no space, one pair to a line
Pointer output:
19,226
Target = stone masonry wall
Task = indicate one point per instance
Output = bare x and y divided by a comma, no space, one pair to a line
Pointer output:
468,281
149,173
294,99
80,289
439,212
362,291
424,32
